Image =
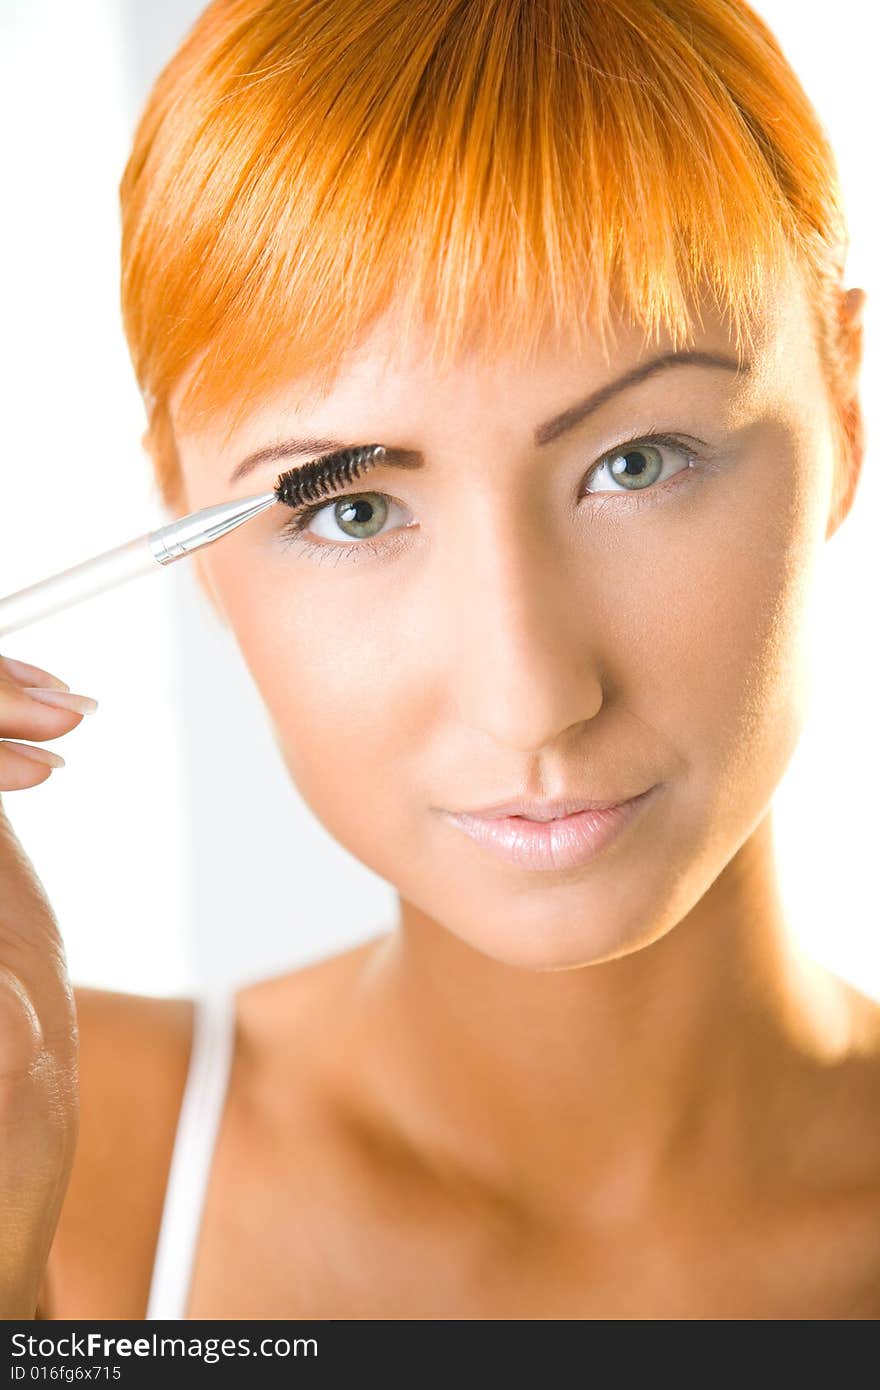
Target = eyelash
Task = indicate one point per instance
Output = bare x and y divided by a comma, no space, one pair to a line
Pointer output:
294,534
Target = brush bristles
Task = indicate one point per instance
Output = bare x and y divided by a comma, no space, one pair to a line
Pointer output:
324,475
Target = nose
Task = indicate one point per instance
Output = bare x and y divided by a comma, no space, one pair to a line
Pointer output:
519,645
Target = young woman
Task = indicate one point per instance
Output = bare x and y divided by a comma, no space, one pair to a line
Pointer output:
583,263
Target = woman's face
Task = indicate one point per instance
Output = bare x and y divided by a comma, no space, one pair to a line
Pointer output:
512,618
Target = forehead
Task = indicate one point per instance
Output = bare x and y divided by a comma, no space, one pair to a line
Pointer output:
386,377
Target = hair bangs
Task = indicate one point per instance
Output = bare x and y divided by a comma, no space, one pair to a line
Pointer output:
501,171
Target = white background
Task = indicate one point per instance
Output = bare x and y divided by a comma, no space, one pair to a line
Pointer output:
173,847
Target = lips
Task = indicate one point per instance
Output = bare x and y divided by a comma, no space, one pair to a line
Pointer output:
561,842
544,808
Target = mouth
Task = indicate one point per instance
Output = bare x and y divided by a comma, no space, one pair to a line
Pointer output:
554,843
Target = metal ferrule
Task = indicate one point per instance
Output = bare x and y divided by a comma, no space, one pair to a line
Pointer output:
191,532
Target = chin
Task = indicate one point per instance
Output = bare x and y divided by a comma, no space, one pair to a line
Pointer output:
579,939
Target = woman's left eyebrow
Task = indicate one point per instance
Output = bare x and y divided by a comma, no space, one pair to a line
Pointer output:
544,434
688,357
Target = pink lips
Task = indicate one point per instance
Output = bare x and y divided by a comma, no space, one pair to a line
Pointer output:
564,843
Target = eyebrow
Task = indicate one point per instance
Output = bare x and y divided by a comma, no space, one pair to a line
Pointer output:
544,434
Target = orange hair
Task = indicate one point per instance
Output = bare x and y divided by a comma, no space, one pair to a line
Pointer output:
497,167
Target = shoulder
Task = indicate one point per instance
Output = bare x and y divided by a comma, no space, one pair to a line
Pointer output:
134,1053
864,1080
293,1028
273,1008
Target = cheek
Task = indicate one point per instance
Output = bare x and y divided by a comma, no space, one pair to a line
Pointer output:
322,655
727,650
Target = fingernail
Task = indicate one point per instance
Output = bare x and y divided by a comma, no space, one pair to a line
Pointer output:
83,704
23,671
39,755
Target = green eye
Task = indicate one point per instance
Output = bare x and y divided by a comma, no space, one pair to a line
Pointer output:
360,517
637,464
340,524
638,467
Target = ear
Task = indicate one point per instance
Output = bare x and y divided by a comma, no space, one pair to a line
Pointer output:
849,422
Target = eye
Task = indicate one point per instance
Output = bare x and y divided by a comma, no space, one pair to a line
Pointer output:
638,464
354,517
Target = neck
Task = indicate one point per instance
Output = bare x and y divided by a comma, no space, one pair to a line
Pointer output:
611,1079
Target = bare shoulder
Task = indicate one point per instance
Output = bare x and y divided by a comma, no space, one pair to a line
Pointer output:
865,1014
847,1098
133,1058
302,1001
865,1086
134,1055
822,1217
859,1071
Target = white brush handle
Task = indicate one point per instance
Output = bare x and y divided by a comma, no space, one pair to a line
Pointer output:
144,554
81,581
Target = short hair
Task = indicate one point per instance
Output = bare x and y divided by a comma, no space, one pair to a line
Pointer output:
497,168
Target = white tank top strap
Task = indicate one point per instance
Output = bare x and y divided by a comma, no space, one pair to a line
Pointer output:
197,1127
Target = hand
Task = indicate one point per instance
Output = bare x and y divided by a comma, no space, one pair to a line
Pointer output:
39,1092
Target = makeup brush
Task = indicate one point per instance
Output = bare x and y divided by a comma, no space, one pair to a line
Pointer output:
163,546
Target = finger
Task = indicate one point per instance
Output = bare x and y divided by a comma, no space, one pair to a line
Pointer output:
23,766
37,716
26,674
